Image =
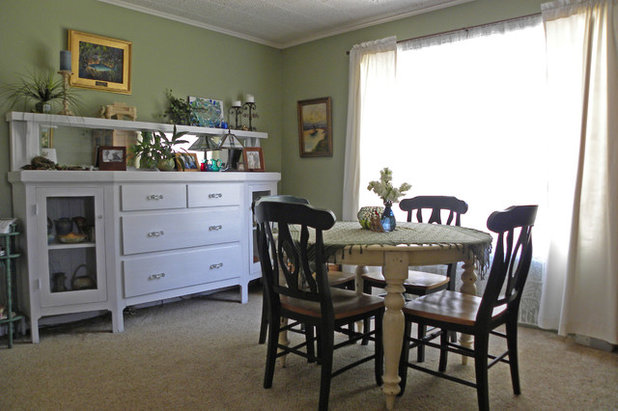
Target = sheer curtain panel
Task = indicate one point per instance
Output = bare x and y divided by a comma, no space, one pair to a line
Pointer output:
580,294
371,78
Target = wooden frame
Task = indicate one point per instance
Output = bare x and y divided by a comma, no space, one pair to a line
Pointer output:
187,162
100,63
112,158
315,130
254,158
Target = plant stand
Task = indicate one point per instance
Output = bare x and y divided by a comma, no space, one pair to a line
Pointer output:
7,257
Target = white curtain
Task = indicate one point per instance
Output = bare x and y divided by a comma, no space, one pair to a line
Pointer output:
580,294
371,75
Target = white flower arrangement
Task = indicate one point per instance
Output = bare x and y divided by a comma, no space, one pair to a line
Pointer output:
385,189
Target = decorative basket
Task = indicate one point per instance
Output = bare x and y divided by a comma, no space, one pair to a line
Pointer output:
365,213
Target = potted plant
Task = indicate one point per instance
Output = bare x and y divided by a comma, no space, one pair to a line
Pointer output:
156,150
389,195
40,92
179,111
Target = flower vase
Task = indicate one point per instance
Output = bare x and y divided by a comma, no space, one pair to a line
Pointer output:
388,218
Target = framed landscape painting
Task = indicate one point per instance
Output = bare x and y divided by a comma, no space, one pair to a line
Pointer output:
315,135
100,63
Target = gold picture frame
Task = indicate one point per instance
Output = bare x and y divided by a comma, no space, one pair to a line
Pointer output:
315,129
100,63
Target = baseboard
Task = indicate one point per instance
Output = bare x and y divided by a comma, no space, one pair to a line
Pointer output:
594,343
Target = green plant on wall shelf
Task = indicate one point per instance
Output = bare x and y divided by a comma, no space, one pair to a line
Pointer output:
156,149
179,111
40,92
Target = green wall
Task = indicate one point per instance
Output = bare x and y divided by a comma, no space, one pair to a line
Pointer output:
194,61
320,69
166,55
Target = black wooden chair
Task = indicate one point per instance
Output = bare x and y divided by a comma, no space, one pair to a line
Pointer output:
296,285
336,278
430,209
476,316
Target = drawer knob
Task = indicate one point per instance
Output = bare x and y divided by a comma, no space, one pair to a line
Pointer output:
156,276
155,234
216,266
215,227
215,195
154,197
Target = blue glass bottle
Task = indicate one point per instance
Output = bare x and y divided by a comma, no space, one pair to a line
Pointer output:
388,218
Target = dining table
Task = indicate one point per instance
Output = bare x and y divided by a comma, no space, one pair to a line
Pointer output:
410,244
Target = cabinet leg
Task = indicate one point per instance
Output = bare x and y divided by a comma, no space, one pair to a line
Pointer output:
34,331
117,321
244,293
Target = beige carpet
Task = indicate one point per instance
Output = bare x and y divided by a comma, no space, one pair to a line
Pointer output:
202,353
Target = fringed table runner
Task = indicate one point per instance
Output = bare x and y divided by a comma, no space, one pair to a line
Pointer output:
350,234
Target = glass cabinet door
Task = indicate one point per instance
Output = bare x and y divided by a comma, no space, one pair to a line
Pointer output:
71,238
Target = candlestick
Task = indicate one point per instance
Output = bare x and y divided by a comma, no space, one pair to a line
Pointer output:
249,106
65,85
236,104
235,111
250,98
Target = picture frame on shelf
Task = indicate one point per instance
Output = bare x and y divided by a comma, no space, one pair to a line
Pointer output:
315,130
254,158
100,63
187,162
208,112
112,158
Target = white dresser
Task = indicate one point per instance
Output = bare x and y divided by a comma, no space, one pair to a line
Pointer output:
157,235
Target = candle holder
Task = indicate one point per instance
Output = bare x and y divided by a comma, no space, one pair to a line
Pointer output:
249,112
235,111
65,85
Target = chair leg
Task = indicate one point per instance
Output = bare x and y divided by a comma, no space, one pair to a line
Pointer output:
444,338
264,321
379,349
310,340
366,290
420,350
326,356
405,358
271,354
481,343
511,341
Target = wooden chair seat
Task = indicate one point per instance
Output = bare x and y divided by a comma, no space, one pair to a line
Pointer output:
448,306
418,282
346,304
341,279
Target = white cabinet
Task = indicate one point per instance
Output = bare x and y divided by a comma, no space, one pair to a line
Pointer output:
70,272
65,269
151,236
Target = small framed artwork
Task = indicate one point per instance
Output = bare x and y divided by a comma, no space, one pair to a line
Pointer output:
100,63
208,112
112,158
254,159
187,162
315,134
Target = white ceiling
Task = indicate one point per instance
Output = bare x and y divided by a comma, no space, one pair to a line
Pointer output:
284,23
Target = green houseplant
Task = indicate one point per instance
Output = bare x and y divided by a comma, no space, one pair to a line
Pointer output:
40,92
156,149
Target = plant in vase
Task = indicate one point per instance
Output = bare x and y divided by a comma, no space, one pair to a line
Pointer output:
389,195
41,92
156,149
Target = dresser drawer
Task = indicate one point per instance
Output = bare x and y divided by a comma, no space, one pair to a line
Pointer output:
152,196
168,231
206,195
146,275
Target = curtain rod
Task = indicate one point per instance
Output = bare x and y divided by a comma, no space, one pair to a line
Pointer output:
464,28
